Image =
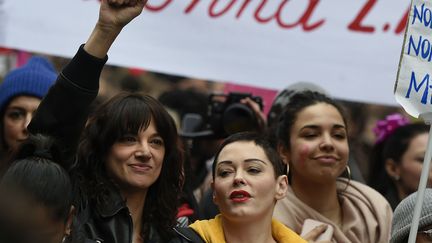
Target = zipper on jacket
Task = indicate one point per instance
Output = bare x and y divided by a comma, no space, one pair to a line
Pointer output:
130,226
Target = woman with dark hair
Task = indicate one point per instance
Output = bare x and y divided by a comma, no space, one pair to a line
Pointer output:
21,92
397,158
248,179
128,170
312,140
130,160
36,195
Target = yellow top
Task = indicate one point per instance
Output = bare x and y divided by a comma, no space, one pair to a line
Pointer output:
211,231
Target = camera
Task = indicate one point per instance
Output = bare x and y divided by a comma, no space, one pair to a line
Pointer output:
226,115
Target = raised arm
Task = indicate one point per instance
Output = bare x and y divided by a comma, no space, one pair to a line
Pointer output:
65,109
113,16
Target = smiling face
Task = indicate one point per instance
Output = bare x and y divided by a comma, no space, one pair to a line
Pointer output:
17,116
245,186
135,161
318,144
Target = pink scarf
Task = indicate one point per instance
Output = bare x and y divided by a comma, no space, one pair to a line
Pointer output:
366,214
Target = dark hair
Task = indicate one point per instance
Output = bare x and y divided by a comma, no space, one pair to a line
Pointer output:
259,140
298,102
4,147
128,113
394,147
36,171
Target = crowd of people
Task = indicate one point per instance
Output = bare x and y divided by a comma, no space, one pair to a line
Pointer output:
133,168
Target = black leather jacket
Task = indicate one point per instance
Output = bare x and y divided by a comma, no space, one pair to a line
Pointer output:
110,222
58,117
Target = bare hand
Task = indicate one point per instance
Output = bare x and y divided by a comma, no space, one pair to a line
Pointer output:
116,14
261,118
313,235
113,16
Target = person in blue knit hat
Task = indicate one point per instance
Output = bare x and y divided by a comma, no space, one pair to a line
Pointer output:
20,94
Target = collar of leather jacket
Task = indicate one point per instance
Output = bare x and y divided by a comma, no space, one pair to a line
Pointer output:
113,204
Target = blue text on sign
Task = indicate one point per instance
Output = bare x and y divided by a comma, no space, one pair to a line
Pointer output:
417,88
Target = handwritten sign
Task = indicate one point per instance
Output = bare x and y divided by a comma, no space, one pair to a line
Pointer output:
413,89
351,48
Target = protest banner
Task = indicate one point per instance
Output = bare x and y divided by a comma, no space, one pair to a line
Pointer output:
350,48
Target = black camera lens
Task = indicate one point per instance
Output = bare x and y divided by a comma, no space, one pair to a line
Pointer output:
239,118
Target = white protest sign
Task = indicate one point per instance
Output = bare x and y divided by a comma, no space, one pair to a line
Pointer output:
413,88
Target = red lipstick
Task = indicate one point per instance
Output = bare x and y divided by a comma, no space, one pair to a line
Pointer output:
239,196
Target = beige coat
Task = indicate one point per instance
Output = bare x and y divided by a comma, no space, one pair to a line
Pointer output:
366,214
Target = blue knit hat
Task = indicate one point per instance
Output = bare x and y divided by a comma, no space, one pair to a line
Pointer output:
33,79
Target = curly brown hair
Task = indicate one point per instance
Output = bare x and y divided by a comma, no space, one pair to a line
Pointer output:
128,113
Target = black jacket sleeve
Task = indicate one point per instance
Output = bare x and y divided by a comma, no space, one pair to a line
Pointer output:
63,112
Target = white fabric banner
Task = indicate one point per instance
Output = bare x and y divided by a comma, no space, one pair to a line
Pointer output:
351,48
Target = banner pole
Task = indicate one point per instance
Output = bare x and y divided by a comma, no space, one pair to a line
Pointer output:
427,117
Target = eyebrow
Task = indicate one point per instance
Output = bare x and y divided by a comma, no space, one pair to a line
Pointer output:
156,134
15,107
337,126
229,162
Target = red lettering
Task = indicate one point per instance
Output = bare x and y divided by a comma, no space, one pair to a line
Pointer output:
279,19
306,16
242,8
261,6
303,21
191,6
211,10
157,8
356,24
212,7
402,23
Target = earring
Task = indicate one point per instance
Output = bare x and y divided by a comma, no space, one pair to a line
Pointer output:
348,172
347,168
287,169
64,238
396,177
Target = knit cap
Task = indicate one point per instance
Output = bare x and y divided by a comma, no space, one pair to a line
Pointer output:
403,216
33,79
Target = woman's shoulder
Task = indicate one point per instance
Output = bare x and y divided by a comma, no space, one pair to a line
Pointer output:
360,190
284,234
365,199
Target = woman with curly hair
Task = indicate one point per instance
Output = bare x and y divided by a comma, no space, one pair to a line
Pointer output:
127,166
312,140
